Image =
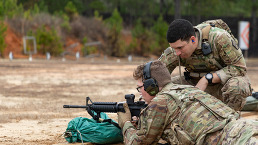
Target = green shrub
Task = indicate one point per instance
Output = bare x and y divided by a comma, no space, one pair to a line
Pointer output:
3,29
42,7
71,9
10,8
97,6
1,9
114,43
97,15
66,24
150,41
31,12
48,41
143,39
88,50
91,50
84,51
160,28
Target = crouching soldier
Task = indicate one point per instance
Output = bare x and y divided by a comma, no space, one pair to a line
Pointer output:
212,59
182,114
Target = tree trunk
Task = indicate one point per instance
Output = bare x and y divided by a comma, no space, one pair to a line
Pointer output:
177,9
161,6
254,23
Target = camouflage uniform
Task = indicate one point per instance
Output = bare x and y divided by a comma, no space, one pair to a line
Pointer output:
182,114
226,60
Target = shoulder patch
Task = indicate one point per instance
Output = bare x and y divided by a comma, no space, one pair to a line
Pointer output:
234,44
168,51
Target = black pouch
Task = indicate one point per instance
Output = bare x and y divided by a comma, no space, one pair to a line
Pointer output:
206,48
187,75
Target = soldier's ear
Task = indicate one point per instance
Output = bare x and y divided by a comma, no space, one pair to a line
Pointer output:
193,39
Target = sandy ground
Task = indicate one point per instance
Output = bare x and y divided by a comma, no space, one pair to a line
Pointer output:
32,94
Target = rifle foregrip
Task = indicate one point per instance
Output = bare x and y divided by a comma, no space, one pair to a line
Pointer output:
104,108
104,103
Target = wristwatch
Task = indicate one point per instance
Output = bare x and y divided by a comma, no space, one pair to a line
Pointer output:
209,77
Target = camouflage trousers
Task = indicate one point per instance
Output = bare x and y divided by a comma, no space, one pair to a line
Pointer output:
237,132
233,93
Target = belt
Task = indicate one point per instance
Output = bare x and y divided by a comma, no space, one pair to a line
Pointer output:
197,75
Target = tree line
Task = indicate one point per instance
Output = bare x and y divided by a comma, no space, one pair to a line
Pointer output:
148,21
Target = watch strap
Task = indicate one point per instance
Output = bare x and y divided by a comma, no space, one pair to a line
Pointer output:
210,79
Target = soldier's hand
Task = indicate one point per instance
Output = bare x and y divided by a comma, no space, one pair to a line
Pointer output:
202,84
123,117
135,121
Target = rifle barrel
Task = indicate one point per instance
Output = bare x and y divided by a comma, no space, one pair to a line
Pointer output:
73,106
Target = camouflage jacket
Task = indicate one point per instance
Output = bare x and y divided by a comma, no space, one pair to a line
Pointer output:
179,114
226,58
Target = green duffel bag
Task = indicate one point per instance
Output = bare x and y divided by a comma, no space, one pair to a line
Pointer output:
82,129
251,103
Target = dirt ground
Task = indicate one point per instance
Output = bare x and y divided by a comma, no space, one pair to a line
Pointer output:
32,94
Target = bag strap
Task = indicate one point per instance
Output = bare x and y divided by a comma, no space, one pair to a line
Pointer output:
205,32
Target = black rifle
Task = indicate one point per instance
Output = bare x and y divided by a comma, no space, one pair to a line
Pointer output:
112,107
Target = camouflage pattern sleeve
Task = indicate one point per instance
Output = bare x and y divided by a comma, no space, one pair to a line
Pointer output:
151,124
170,58
231,55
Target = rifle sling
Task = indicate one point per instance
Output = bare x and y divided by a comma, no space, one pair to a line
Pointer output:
112,122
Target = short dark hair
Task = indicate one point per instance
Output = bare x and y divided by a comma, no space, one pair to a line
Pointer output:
180,29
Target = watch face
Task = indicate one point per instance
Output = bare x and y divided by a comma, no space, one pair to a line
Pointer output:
209,76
